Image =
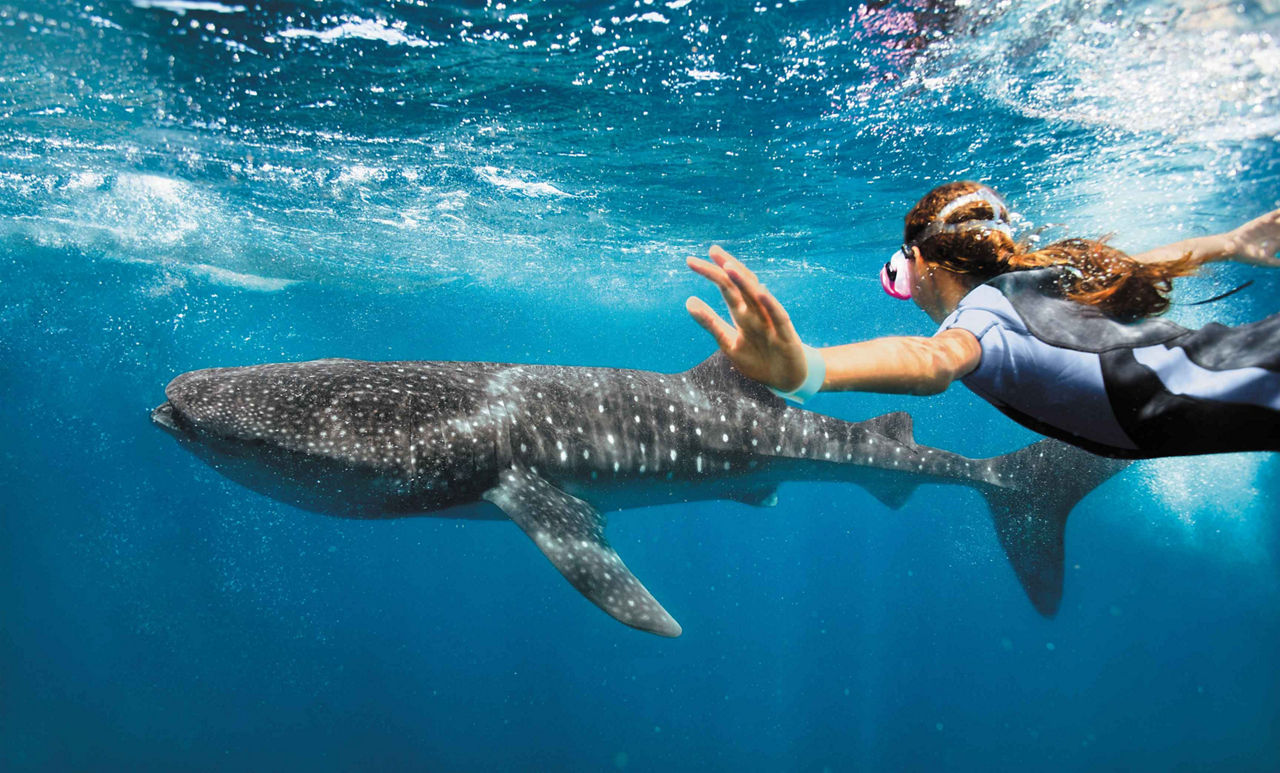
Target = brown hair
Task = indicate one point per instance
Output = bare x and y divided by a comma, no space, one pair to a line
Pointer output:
1097,274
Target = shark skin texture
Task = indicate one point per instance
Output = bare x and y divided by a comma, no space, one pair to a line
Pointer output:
553,448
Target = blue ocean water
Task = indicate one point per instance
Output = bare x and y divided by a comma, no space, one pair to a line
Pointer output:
191,183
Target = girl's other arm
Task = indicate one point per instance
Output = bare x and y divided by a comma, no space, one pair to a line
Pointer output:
1256,243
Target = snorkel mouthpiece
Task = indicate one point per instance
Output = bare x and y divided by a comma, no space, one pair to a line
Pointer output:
895,276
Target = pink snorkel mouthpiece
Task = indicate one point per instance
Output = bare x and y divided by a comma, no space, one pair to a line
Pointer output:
895,277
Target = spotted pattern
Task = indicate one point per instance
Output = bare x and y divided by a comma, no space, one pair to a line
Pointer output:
571,534
420,430
426,436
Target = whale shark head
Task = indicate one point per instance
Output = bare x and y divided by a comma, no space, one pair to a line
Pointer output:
333,437
234,404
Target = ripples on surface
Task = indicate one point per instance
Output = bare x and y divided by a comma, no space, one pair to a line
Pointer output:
517,145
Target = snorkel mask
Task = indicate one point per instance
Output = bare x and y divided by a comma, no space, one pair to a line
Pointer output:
895,276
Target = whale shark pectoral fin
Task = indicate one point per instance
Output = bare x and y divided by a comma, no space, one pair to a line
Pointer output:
892,494
570,534
765,496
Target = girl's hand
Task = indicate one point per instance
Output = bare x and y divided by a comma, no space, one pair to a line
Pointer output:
1257,241
761,343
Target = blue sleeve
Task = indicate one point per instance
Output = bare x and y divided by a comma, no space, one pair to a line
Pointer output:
1060,387
976,321
990,328
995,355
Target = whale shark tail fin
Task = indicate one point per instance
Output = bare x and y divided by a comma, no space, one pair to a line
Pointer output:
570,534
1038,486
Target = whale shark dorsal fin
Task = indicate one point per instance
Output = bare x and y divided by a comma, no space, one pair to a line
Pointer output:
570,534
718,371
896,425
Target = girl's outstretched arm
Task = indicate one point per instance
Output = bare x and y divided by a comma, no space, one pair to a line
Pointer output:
911,365
764,345
1256,243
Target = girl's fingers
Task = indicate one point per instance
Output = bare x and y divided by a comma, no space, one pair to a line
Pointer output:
728,290
749,312
706,268
719,255
742,308
726,261
744,278
749,290
777,315
711,322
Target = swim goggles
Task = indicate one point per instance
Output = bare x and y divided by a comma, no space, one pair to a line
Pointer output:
895,276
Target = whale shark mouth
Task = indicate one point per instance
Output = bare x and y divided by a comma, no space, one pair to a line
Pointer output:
162,416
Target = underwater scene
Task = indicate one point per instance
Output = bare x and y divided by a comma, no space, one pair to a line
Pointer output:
190,184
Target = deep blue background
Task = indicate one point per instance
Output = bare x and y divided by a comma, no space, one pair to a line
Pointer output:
157,616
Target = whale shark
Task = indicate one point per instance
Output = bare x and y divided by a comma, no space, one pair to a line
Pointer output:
554,448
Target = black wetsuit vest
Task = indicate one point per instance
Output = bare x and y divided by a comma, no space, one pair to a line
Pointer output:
1171,390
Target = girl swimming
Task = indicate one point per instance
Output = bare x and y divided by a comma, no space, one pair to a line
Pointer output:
1065,340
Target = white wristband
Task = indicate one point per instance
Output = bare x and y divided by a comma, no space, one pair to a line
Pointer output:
815,374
